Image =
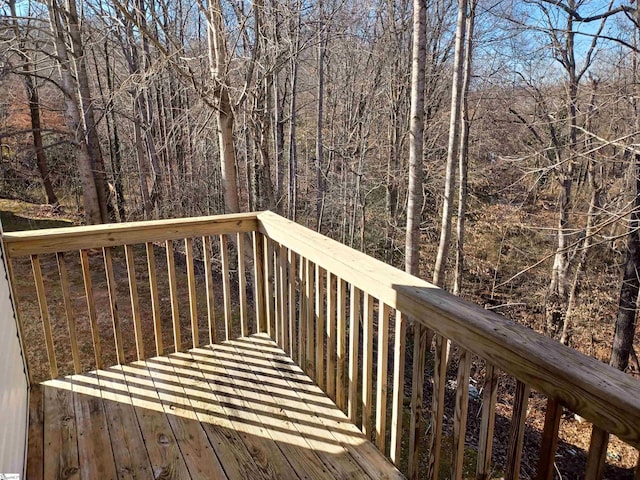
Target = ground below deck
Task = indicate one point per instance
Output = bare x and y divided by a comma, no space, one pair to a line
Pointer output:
237,410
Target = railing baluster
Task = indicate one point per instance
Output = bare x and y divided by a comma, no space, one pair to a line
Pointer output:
277,273
381,376
193,301
331,335
421,341
354,344
302,324
269,284
597,454
310,366
487,422
155,297
367,364
319,325
549,441
516,431
437,406
242,285
461,409
68,308
226,288
258,277
44,314
399,347
173,291
208,279
135,303
113,303
91,307
292,301
341,341
283,294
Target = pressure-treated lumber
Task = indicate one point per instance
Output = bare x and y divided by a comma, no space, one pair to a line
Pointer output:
354,334
208,279
397,395
487,422
242,285
113,303
226,286
597,392
367,365
91,307
68,309
44,315
135,301
155,298
173,292
549,442
381,377
193,300
54,240
516,432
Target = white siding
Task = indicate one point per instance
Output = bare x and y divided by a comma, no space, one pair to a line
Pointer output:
14,398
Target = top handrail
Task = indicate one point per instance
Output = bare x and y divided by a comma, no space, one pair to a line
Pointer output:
601,394
52,240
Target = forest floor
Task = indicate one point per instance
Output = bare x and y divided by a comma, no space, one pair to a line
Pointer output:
499,225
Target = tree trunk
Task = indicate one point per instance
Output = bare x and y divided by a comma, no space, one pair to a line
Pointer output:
416,129
320,183
224,114
454,143
93,211
628,303
464,149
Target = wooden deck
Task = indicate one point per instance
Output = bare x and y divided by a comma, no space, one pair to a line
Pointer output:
237,410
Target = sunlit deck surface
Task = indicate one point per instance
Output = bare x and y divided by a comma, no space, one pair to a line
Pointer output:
237,410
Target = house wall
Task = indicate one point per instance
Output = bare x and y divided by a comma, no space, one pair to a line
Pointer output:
14,393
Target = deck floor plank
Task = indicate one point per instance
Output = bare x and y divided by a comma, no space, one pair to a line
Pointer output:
35,458
94,445
292,442
160,442
334,420
237,410
202,461
255,436
60,436
333,455
129,451
232,452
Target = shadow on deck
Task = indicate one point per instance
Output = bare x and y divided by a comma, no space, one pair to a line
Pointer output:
241,409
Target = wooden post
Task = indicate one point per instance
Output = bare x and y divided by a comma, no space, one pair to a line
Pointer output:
516,432
399,348
381,377
193,301
68,308
259,288
155,298
113,303
44,315
135,303
173,291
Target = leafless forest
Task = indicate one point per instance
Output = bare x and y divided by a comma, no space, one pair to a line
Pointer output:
491,146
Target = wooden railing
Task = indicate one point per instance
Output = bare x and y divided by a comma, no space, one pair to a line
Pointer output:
357,327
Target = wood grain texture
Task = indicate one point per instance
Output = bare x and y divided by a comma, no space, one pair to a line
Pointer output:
331,335
114,234
381,377
597,456
319,327
94,446
60,434
460,415
421,342
354,345
310,366
292,303
516,431
226,287
44,315
596,391
367,365
242,284
302,312
549,442
258,277
269,281
437,406
487,422
155,298
35,434
341,346
91,307
173,292
68,310
397,395
193,299
208,279
135,301
113,303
